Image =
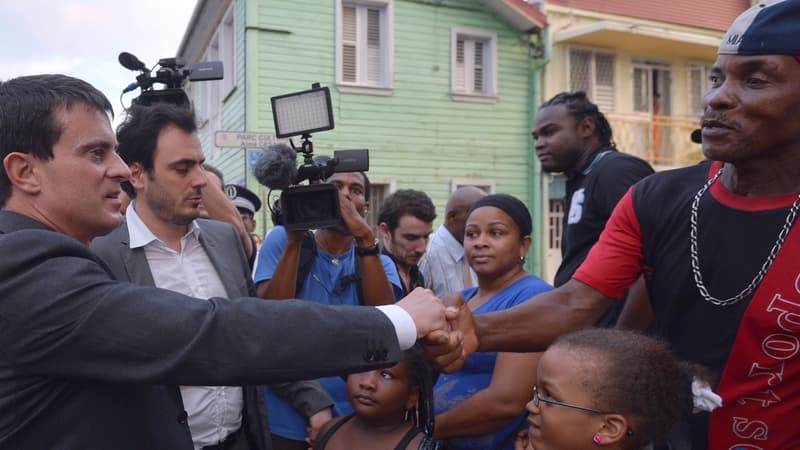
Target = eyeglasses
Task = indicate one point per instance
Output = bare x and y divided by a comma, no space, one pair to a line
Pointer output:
537,399
549,401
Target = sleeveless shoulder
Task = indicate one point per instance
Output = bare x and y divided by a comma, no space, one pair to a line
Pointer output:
323,440
426,443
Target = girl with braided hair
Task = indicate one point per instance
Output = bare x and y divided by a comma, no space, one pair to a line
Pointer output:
393,409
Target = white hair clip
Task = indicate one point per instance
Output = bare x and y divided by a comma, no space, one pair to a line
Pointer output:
704,398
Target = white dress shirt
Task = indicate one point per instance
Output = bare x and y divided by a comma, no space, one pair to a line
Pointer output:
444,265
214,411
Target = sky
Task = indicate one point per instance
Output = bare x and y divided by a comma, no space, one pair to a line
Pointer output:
83,38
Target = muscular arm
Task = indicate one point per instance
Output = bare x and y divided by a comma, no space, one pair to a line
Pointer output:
613,265
637,312
496,406
285,275
533,325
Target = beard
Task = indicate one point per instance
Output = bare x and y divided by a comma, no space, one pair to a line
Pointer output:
168,208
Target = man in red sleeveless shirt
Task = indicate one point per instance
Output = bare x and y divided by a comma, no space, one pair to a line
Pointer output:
717,244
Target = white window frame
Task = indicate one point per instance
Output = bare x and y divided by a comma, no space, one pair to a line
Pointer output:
705,84
386,87
211,112
391,187
650,65
487,184
489,94
226,37
592,93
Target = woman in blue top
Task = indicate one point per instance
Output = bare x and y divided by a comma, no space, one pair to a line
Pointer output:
482,405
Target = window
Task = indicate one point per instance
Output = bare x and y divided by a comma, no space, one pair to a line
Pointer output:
593,72
555,224
227,52
379,189
221,48
473,64
210,113
486,184
652,88
364,45
699,74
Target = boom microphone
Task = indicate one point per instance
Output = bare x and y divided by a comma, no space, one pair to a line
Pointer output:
276,168
131,62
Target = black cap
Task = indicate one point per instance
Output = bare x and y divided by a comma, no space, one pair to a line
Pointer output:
243,198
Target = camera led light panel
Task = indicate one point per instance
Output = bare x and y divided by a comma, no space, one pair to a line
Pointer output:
302,112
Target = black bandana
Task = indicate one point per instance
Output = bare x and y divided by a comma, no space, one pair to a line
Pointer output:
511,206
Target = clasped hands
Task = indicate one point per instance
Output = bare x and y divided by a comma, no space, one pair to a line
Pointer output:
444,326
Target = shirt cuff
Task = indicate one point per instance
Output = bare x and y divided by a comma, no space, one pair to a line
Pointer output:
403,325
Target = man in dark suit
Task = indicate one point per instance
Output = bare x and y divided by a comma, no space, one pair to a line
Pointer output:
163,243
92,363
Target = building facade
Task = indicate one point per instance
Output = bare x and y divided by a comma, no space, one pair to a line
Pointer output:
441,92
646,64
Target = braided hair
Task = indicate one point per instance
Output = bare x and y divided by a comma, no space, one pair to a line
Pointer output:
579,106
423,376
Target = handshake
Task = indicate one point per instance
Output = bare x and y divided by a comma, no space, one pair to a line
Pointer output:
444,326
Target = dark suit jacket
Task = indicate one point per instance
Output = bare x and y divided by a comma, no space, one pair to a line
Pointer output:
223,247
87,362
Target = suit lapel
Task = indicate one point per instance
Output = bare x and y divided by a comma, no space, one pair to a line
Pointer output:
134,260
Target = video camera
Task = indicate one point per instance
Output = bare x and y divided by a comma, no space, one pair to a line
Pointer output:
316,204
172,72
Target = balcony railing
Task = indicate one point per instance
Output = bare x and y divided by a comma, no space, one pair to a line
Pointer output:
661,140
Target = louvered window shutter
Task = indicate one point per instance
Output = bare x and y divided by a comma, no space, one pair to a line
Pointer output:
374,63
604,82
459,83
349,66
477,78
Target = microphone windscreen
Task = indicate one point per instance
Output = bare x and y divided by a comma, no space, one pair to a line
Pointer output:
131,62
276,168
697,136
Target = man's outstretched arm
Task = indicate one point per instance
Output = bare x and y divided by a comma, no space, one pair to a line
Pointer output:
527,327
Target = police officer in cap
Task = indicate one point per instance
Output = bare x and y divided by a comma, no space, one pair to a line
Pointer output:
248,203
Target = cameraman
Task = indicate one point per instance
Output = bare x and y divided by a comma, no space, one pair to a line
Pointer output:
346,266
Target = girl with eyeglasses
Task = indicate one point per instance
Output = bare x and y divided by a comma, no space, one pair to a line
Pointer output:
610,389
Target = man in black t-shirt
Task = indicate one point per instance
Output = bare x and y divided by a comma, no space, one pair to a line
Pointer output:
573,137
718,243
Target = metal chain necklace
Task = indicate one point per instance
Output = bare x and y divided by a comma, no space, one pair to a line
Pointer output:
698,277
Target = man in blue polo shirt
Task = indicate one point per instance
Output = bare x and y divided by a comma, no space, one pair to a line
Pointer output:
346,269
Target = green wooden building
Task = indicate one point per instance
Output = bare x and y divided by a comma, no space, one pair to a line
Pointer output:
441,92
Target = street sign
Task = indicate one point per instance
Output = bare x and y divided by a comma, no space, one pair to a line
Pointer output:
244,139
